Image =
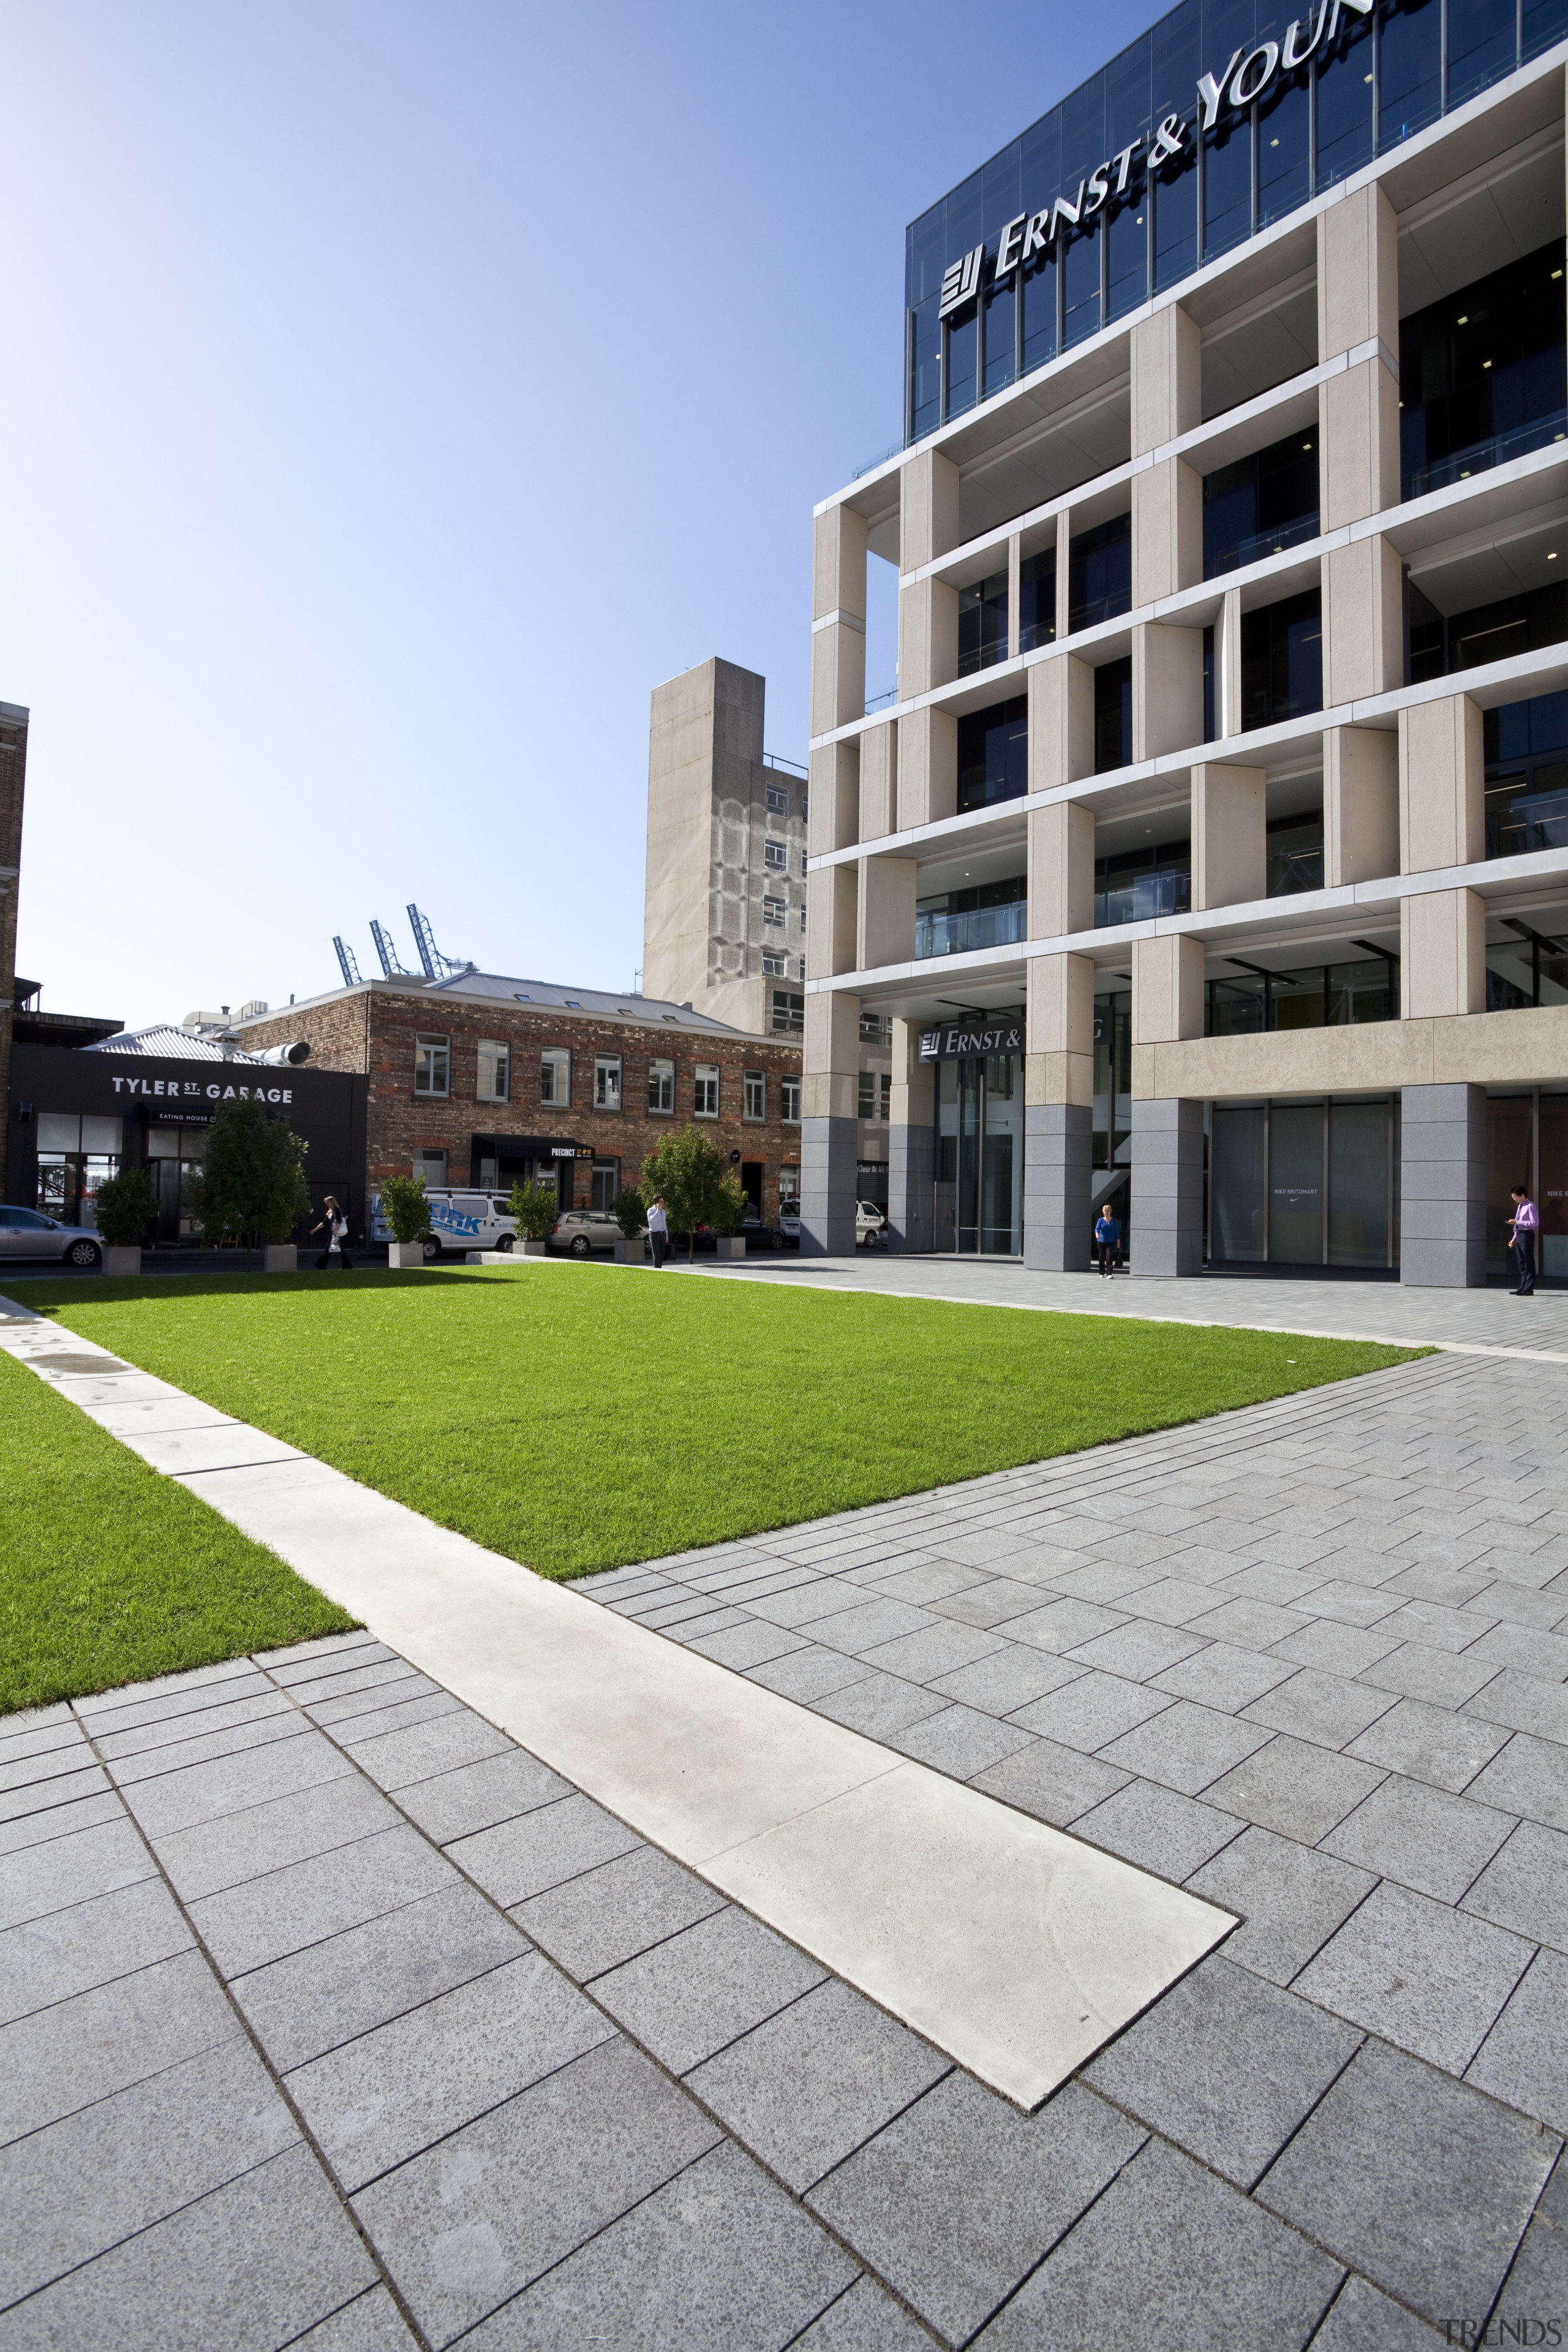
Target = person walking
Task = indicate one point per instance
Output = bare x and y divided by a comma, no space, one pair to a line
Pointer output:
657,1229
1521,1236
336,1226
1107,1236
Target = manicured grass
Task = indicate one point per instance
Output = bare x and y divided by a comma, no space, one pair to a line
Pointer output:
110,1573
578,1417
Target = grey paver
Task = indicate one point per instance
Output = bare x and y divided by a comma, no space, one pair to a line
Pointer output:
56,1872
1184,1748
341,1987
247,1927
103,2041
809,2085
866,1624
719,2260
1522,1703
1334,1647
210,1855
479,1796
175,1733
961,1741
1223,1676
1421,1836
863,2320
1418,2182
1526,1888
1091,1710
1364,2321
879,1704
1530,1776
1226,2066
152,1762
1538,2283
1157,1829
1432,1744
1055,1784
1296,1789
1291,1899
543,1848
470,2223
1418,1672
807,1674
371,2322
689,1996
1012,1677
938,1650
744,1644
380,2099
60,1789
1329,1710
393,1759
608,1914
378,1704
1524,2058
65,1952
30,1830
1140,1652
959,2198
1170,2258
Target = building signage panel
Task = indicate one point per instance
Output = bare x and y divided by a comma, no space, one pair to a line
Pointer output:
1003,1036
197,1089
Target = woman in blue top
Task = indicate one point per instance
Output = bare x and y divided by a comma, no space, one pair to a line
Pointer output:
1107,1235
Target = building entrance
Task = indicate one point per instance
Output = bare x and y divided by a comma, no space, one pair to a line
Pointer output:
980,1155
1305,1184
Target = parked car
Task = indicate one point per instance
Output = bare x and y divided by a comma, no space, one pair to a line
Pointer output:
27,1232
584,1231
460,1221
758,1234
870,1225
789,1224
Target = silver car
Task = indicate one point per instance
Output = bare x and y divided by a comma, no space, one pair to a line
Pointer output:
583,1230
27,1232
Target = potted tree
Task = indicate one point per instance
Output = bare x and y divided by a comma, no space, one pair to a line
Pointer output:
692,1173
729,1215
252,1183
127,1207
630,1211
406,1213
535,1206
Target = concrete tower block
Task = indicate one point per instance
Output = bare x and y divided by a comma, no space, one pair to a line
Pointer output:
1061,870
1442,785
838,619
831,926
1358,313
1167,531
1361,804
1167,990
1058,1114
928,767
1061,721
1442,955
829,1132
835,793
1364,622
1167,1236
1230,837
1358,274
1443,1186
911,1143
879,781
1167,378
928,636
1167,689
928,508
886,895
1228,665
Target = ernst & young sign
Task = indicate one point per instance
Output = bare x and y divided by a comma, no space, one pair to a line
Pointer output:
998,1036
1244,80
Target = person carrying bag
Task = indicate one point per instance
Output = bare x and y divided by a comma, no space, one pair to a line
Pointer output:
337,1231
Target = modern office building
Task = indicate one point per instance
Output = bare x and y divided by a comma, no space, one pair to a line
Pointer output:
13,784
1214,855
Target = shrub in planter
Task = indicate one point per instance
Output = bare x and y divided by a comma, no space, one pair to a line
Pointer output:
630,1211
127,1209
405,1208
535,1207
730,1209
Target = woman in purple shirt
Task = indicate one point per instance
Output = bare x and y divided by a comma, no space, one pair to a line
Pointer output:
1521,1237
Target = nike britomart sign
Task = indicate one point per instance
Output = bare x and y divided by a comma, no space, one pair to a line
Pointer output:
1245,79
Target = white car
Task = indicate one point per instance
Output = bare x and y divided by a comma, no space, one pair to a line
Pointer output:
27,1232
460,1221
870,1225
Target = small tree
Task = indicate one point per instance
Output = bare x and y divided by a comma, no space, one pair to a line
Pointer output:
405,1208
252,1179
535,1207
692,1173
127,1209
733,1202
630,1211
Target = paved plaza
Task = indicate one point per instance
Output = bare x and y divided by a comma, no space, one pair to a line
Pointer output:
335,2016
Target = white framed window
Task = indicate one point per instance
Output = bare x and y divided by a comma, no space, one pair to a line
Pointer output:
803,919
706,1104
661,1087
606,1082
802,971
775,965
789,1103
495,1070
432,1064
802,866
867,1094
789,1010
875,1027
755,1095
555,1076
606,1183
775,911
776,856
432,1166
778,800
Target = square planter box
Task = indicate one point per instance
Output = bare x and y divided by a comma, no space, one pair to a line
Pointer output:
280,1257
405,1253
631,1253
531,1249
121,1261
732,1245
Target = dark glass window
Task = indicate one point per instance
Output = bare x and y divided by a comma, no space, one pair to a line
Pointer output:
927,360
1481,34
1282,661
1127,230
1262,504
1295,854
993,753
1175,200
991,915
1284,146
1545,21
1113,715
1139,884
1100,572
1040,310
1344,100
1227,182
1080,268
1482,374
1525,970
1313,996
1527,776
983,624
1211,700
1526,624
1000,337
962,338
1038,600
1409,68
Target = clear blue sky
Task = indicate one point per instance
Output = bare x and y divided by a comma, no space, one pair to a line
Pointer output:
392,397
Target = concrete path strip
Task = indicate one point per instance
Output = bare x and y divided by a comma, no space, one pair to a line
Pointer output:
1013,1948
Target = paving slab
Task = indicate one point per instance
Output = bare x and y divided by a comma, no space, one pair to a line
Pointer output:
1524,2059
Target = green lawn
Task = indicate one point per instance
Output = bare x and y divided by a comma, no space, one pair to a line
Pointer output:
110,1573
577,1417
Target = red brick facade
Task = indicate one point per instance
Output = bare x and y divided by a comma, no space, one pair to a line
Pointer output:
374,1029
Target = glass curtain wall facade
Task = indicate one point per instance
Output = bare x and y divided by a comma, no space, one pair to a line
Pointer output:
1304,1183
979,1197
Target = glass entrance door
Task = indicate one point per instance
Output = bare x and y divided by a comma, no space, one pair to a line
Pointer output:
980,1155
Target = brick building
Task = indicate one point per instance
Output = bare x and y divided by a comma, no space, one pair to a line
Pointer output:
480,1080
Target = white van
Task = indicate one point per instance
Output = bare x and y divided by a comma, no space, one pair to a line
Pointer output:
459,1222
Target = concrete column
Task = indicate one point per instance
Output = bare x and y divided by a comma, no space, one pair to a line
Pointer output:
1443,1186
1061,870
1061,721
1230,837
1442,955
1364,622
1167,531
928,767
1167,990
1015,566
831,929
928,508
1167,689
1064,560
1058,1114
928,636
1167,378
879,781
829,1132
834,794
1167,1236
1358,316
911,1144
1361,804
838,619
1442,785
887,910
1228,665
